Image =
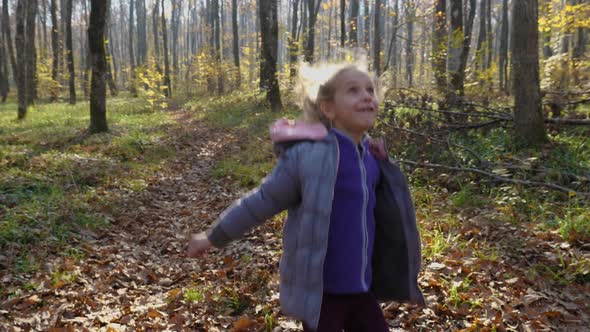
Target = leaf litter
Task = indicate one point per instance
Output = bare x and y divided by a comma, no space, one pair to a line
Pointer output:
134,276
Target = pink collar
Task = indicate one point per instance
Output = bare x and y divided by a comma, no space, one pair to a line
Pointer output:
284,130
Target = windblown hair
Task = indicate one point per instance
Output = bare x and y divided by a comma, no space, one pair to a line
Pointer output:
317,83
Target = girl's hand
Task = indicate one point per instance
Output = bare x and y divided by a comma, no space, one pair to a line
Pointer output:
198,245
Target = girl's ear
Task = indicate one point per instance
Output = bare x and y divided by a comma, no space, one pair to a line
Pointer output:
327,109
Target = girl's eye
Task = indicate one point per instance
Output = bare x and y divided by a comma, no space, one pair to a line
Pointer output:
371,90
353,89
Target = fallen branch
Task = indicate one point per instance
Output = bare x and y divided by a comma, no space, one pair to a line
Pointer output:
498,178
563,121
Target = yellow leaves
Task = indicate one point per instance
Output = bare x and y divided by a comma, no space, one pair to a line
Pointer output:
565,19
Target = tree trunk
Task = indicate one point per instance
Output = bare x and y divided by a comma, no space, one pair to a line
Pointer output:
8,40
503,61
342,22
580,45
54,47
109,51
354,16
85,55
377,38
70,51
43,19
20,73
236,42
466,46
481,39
528,117
168,92
313,8
455,47
269,18
174,19
439,46
293,41
155,16
96,37
3,71
218,46
410,16
489,44
141,32
366,24
132,87
31,52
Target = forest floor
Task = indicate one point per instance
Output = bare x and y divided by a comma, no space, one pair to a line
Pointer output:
480,271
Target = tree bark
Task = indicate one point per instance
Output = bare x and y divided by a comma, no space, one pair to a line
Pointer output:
8,40
528,117
377,38
132,87
168,91
410,16
342,22
293,41
3,71
269,18
54,47
141,33
236,42
109,51
481,39
70,51
20,72
455,47
155,16
96,37
439,45
354,16
31,52
503,61
313,8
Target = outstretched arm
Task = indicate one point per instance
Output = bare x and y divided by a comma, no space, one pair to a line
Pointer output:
278,191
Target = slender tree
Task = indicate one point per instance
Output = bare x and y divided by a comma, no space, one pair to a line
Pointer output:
96,38
54,46
482,38
110,81
293,40
168,92
456,46
236,43
439,45
377,38
528,117
70,51
410,17
8,40
269,38
141,32
132,87
3,71
503,58
353,37
31,54
20,71
342,22
313,8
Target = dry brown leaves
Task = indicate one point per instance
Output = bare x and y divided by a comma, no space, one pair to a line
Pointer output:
134,276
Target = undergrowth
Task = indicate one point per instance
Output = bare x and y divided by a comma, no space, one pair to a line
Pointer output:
56,179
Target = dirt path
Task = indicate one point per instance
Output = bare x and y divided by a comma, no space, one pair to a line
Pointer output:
133,276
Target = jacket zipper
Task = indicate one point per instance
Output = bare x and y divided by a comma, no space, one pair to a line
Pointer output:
364,220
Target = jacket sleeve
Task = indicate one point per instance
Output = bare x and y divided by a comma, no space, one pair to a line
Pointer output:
278,191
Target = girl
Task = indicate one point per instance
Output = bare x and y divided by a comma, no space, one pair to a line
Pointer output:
350,237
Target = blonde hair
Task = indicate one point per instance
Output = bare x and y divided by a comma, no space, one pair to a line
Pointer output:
317,83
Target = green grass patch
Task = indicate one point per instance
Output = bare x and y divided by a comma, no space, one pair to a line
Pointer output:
55,177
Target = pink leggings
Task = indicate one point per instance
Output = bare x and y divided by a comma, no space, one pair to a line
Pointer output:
351,313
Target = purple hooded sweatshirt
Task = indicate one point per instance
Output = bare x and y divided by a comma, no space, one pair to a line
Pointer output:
347,267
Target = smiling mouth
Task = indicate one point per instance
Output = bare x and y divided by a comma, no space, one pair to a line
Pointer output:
366,109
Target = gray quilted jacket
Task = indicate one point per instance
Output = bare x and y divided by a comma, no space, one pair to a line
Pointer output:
303,182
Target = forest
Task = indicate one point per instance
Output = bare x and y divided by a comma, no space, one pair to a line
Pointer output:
127,125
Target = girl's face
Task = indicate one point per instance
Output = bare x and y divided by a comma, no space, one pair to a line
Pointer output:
353,108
